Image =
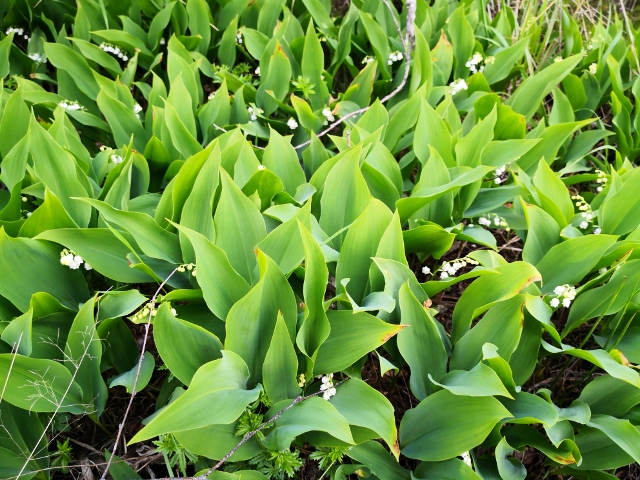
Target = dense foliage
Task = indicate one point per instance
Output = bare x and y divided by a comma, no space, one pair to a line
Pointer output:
423,234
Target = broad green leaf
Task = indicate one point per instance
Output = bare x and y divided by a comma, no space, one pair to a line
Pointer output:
501,326
569,261
281,159
420,344
618,213
183,346
453,468
504,61
128,379
315,326
480,381
553,196
527,97
600,358
314,414
543,233
352,336
239,228
83,354
489,289
378,416
345,196
217,395
24,380
431,131
222,287
280,365
462,40
28,266
18,334
101,249
58,171
445,425
622,432
382,464
509,468
360,245
251,322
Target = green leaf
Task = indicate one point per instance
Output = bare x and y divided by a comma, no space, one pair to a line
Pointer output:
184,347
252,320
504,61
314,414
600,358
553,196
5,49
431,131
58,171
566,263
501,326
619,211
40,385
622,432
449,469
527,97
510,468
282,159
352,336
128,379
360,244
217,395
28,266
378,416
382,464
462,40
489,289
543,233
239,228
345,196
445,425
18,334
221,285
420,344
101,249
315,326
83,354
280,365
480,381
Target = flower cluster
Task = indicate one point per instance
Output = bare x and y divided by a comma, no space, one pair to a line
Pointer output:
466,458
394,57
70,105
585,211
253,112
36,57
115,158
492,220
602,180
70,259
593,68
566,293
457,86
558,59
137,108
142,315
593,43
121,54
426,270
301,380
451,269
257,71
19,31
499,175
368,59
328,115
292,124
239,38
190,267
327,386
474,62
